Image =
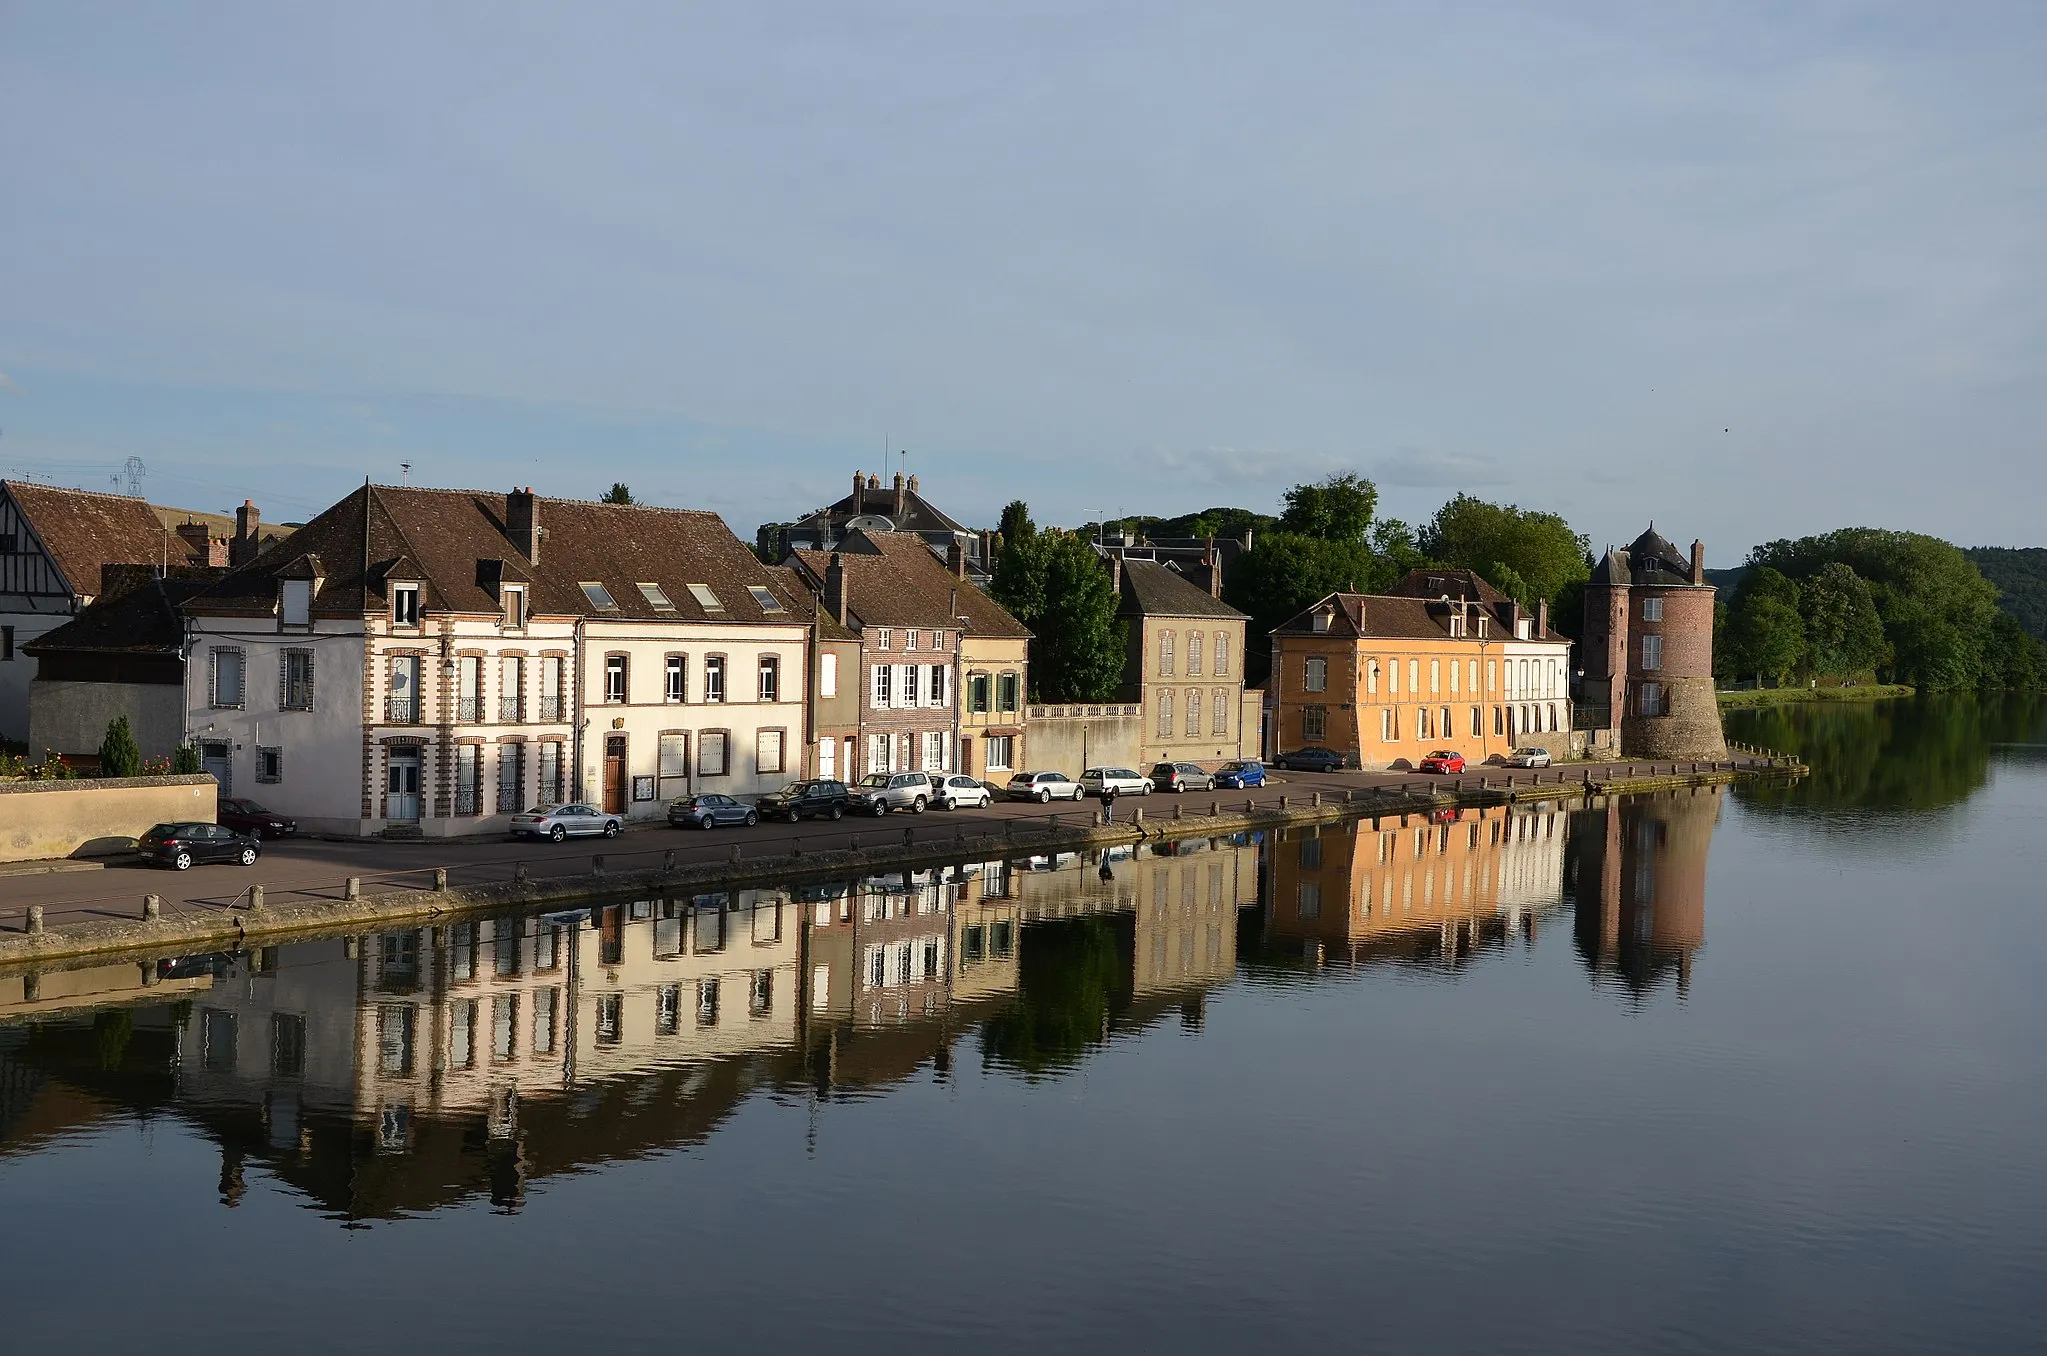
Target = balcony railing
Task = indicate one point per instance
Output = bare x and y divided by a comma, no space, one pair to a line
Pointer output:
550,709
468,710
511,710
466,801
401,710
508,799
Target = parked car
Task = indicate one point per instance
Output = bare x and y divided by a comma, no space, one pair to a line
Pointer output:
1528,757
1043,786
1181,777
181,845
1235,776
823,798
1443,760
959,790
879,792
246,816
557,822
709,810
1314,758
1124,781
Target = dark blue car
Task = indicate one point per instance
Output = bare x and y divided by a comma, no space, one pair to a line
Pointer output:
1237,776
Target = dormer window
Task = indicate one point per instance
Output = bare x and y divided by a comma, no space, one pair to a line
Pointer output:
766,598
1524,629
706,599
1321,621
295,602
599,596
515,607
405,605
657,597
1456,624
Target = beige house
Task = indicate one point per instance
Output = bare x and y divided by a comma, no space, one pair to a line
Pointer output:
1185,666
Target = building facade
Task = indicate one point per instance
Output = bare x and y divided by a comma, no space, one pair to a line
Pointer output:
873,507
1185,664
1648,650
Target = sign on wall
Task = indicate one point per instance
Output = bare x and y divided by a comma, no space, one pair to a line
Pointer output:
643,788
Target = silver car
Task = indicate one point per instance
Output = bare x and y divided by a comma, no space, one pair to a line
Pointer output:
1044,786
1528,757
879,792
1124,781
557,822
1182,777
958,790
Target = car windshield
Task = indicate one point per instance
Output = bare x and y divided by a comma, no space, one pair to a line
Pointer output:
1442,753
795,788
1231,767
874,779
541,810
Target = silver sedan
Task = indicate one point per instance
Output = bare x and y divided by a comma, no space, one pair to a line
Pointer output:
557,822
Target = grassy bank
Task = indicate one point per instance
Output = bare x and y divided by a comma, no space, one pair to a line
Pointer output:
1784,696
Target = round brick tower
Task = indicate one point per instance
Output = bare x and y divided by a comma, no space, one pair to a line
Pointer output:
1668,709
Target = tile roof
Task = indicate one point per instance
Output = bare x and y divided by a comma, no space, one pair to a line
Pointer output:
143,620
806,606
455,543
893,579
1152,590
85,530
1378,616
919,514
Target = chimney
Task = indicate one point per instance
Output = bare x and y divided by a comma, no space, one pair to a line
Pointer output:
247,522
1215,569
1698,562
522,523
835,588
956,558
902,501
913,484
874,482
198,543
1541,617
859,484
1116,574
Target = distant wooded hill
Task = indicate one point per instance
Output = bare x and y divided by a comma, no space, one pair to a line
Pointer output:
2020,574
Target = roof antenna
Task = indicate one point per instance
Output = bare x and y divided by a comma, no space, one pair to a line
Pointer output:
404,473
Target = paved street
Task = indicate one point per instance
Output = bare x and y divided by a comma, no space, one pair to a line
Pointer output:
310,867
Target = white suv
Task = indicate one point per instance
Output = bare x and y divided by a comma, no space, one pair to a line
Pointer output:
879,792
1124,781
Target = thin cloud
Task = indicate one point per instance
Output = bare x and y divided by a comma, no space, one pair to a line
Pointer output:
7,383
1418,468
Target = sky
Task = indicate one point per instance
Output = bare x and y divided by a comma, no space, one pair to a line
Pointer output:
1748,270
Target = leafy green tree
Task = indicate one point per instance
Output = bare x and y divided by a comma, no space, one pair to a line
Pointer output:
2021,580
1541,548
1337,508
118,755
2015,660
1055,585
1766,637
185,760
1017,579
618,494
1843,635
1283,573
1397,551
1764,582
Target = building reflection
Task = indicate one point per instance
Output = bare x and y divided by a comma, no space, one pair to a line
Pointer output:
1637,871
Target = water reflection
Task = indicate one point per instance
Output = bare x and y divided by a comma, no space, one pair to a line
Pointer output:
1638,879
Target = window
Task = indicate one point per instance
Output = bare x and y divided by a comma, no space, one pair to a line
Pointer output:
909,640
1372,676
657,597
287,1045
1652,609
504,1026
1414,675
1193,712
1321,620
672,766
295,680
1311,853
549,773
714,678
468,779
938,686
760,994
6,642
514,608
511,689
770,678
676,686
295,602
1165,652
1388,731
1491,676
469,688
614,678
1166,712
908,683
553,672
1652,699
1474,677
1524,629
1315,677
1220,725
884,639
828,675
1314,724
269,764
1421,724
1449,726
511,781
1000,752
934,751
228,675
706,599
397,1025
599,596
767,751
707,1001
713,753
405,605
1222,653
546,1003
977,692
1499,722
1477,721
1007,691
1193,653
884,676
766,598
1652,652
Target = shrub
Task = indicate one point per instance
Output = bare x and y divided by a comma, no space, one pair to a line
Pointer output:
185,760
118,755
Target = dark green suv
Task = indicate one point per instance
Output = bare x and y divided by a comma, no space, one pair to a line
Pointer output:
824,799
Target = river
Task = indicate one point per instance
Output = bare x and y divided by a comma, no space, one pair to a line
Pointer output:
1746,1070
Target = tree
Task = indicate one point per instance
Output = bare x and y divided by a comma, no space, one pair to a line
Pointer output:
1055,585
1843,634
1338,508
1394,544
1765,635
618,494
1541,548
185,760
1283,573
118,755
1017,580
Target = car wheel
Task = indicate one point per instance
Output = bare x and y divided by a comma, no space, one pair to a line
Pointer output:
917,806
611,828
704,822
795,815
880,808
248,856
1044,797
557,834
833,813
753,819
182,862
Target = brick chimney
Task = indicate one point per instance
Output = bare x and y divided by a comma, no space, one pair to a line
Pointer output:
248,522
1541,618
1698,562
956,558
1215,569
199,545
1116,574
522,523
859,484
902,500
913,484
835,588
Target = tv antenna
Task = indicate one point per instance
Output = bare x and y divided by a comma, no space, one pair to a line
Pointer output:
404,473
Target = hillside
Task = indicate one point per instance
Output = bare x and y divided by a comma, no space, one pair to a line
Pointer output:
2020,574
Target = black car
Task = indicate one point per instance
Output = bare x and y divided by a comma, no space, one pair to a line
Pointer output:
1314,758
245,816
709,809
179,846
821,799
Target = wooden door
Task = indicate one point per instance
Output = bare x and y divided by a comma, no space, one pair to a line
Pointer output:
614,774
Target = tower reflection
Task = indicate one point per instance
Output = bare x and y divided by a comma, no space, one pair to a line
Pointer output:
1637,868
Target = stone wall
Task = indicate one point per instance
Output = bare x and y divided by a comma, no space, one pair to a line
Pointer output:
72,718
1071,739
94,817
1691,729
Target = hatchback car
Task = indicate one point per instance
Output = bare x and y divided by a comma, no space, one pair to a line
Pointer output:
246,816
182,845
708,811
1443,760
1314,758
1235,776
1043,786
959,790
1124,781
1181,777
1528,757
879,792
823,798
556,822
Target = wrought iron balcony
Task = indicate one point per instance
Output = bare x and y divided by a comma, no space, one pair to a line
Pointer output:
551,709
401,710
468,710
511,710
466,802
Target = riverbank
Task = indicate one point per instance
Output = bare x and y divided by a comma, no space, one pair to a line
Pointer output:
259,920
1786,696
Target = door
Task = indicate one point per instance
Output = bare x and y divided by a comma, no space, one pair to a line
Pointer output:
614,774
827,759
401,786
216,761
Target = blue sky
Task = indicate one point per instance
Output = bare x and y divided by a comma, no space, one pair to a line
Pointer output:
1751,270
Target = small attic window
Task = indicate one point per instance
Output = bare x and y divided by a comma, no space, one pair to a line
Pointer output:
295,602
766,598
599,596
656,597
1321,621
705,598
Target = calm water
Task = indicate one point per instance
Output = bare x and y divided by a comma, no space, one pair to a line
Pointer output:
1748,1071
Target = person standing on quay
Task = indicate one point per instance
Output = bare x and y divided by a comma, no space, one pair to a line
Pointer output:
1108,802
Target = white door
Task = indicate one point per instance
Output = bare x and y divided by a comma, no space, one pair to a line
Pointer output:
828,759
401,786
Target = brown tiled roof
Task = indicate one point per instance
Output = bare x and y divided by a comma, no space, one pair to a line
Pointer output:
1153,590
453,541
142,620
805,606
893,579
85,530
1375,616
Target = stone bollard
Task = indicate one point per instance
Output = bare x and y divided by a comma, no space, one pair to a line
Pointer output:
907,837
1315,798
853,843
1250,805
733,855
255,899
152,908
1481,783
32,985
1179,809
1009,828
959,835
352,888
597,864
1215,807
518,873
1052,820
1284,801
668,860
35,920
440,878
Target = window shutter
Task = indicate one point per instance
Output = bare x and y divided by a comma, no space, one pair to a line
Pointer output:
309,678
213,675
283,678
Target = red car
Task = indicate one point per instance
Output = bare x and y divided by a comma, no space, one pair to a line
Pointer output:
246,816
1443,760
